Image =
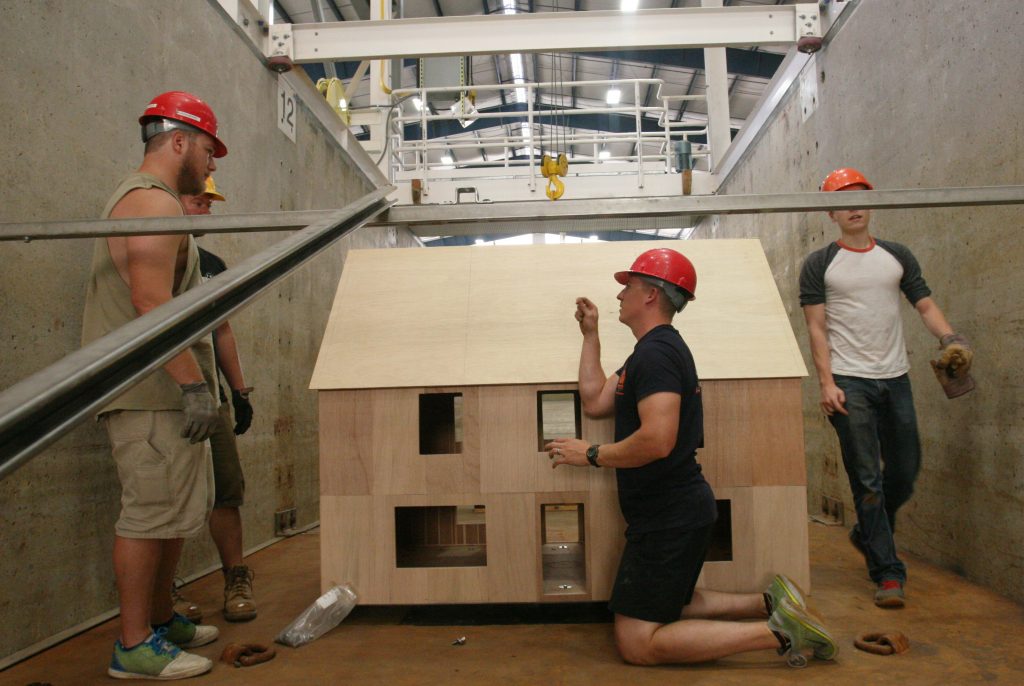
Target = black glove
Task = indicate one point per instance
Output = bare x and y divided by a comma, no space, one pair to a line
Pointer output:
200,409
243,410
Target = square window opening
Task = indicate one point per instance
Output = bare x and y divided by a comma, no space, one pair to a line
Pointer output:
563,549
440,423
558,416
441,536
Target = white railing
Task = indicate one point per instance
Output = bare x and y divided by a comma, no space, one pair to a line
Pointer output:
652,152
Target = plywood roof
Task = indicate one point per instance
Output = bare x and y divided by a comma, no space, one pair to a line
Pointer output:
484,315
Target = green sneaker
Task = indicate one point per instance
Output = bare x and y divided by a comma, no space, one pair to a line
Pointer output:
156,658
185,634
803,632
782,587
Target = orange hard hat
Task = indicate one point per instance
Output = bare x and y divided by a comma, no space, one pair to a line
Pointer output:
665,265
176,108
843,178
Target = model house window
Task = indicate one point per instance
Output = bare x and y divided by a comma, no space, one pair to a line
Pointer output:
563,549
443,536
720,549
440,423
558,416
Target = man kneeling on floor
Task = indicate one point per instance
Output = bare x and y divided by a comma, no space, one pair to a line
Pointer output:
669,508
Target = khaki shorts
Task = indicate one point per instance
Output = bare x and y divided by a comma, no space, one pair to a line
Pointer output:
166,482
229,482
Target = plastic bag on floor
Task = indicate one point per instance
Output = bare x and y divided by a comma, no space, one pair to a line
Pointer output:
323,615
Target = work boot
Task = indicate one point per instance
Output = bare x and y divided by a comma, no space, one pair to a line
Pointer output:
239,605
782,587
798,631
890,594
185,634
156,658
183,606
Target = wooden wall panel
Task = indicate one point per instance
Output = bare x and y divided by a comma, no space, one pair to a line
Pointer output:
753,432
769,536
513,573
734,576
508,440
780,530
781,461
346,443
396,442
605,540
352,549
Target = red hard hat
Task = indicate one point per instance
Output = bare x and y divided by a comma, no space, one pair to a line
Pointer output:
843,178
187,109
665,264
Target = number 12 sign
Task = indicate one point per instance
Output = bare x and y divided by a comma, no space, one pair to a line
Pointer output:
286,104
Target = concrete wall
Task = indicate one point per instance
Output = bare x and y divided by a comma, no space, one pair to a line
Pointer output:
76,77
920,95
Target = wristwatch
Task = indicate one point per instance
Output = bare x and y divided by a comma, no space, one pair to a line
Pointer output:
592,454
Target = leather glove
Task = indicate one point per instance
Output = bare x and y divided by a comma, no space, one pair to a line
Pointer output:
957,355
243,410
879,643
200,408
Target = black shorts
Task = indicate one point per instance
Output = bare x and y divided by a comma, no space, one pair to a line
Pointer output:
658,573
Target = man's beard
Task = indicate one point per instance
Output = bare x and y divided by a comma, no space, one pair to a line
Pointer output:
190,183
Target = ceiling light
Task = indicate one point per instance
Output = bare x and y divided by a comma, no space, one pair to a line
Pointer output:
447,159
614,96
629,5
418,104
604,154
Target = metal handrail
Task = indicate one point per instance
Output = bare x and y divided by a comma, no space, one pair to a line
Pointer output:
40,409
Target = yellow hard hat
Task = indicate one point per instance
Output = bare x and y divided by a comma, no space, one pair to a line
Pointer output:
211,189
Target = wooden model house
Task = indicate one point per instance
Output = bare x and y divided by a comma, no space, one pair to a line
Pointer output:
443,371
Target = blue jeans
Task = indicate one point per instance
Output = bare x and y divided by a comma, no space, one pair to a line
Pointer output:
882,455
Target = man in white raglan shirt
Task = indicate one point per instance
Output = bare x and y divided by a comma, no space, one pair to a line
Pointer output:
850,293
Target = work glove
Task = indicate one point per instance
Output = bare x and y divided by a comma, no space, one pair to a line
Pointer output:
243,410
200,408
956,355
952,369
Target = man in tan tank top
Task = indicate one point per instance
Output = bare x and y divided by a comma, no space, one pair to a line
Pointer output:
158,428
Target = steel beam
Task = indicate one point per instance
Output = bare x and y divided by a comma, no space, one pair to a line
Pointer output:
40,409
512,217
434,220
695,27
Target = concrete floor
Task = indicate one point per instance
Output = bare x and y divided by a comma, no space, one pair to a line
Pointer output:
960,633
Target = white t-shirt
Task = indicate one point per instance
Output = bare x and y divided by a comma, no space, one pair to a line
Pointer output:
861,292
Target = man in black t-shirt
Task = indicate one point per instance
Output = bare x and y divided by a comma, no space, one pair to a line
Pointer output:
669,508
225,522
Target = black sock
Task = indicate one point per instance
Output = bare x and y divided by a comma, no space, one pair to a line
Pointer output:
784,642
163,625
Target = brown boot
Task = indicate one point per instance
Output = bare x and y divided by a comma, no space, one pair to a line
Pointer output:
238,603
183,606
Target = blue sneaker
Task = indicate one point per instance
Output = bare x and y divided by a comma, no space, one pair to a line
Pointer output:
156,658
185,634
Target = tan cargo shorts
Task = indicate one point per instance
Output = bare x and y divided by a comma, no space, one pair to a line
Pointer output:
166,482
